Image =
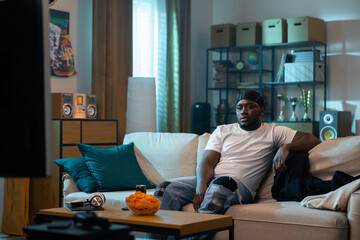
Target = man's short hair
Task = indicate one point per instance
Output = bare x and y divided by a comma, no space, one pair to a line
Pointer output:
253,96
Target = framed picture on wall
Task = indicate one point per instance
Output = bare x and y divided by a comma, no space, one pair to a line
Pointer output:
62,60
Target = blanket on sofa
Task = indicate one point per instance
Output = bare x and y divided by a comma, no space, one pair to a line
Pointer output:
297,183
335,200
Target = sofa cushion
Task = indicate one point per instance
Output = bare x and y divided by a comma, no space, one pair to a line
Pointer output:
287,220
283,220
288,212
79,172
114,168
147,168
264,190
173,154
340,154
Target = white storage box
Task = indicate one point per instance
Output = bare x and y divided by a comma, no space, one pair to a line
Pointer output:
274,31
303,72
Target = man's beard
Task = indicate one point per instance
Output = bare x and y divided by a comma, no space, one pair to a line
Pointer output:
252,125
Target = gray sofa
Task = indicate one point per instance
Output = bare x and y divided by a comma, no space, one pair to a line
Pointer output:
168,155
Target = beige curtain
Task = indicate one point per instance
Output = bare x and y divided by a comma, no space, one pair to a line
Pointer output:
16,205
112,58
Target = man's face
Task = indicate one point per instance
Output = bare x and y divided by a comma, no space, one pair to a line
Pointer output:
249,114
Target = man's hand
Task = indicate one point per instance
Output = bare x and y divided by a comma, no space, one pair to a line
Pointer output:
279,160
301,142
204,174
199,197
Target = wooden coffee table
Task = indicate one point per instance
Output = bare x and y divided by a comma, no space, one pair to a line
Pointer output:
177,223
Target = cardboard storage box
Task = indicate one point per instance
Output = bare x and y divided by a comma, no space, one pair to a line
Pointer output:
274,31
305,29
303,72
223,35
248,33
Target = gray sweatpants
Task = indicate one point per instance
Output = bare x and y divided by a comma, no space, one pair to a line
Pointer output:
222,192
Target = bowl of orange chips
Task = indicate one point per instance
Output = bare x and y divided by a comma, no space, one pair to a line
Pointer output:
143,204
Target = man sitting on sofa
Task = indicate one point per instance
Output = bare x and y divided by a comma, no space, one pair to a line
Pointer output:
235,160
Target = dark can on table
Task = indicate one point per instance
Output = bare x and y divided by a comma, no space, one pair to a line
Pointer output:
141,188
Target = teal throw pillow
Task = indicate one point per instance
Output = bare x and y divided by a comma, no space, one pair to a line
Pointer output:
79,172
114,168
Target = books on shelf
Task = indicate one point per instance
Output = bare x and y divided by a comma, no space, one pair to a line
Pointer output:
307,55
222,84
285,58
222,65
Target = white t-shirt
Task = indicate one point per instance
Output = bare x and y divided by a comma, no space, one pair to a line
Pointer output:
247,155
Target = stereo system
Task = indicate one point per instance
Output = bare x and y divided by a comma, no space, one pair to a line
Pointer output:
62,105
91,110
334,124
73,105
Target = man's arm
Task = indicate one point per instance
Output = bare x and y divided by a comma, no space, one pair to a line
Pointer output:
302,142
204,174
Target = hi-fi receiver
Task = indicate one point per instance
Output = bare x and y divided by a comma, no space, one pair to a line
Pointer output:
80,105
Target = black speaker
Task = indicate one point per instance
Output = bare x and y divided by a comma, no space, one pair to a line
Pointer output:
334,124
200,118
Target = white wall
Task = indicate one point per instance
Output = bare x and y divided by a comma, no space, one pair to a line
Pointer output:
81,41
342,36
201,19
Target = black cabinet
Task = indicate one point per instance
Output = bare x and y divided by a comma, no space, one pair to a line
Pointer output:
230,70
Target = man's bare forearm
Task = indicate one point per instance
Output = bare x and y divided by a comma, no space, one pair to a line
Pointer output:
205,171
302,142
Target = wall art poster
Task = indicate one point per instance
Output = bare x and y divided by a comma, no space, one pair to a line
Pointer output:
62,60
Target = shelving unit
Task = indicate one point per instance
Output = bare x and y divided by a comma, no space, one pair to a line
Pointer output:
261,77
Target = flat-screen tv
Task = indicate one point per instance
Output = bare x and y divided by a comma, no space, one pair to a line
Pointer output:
25,132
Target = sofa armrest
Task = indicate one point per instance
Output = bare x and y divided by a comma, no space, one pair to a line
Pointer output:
353,215
69,186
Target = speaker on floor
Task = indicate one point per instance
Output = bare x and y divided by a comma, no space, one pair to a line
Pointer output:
62,105
200,118
334,124
91,110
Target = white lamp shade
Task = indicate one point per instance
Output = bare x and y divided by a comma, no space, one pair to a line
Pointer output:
141,105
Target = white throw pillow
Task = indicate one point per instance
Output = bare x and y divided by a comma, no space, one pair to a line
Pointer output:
340,154
172,154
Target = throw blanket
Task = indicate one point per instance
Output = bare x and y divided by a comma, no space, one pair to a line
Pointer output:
297,183
336,200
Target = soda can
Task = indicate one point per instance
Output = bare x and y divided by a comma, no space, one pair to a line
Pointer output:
141,188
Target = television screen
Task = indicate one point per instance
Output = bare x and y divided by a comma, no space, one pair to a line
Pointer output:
25,133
